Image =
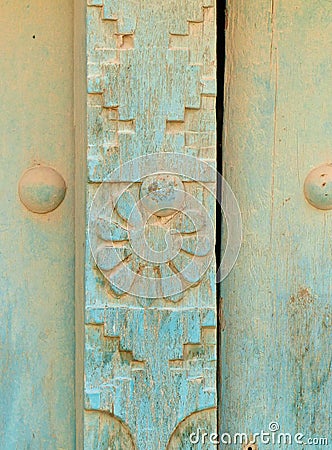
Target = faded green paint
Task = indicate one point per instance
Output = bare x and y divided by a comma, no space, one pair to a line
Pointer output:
36,251
150,356
276,358
150,366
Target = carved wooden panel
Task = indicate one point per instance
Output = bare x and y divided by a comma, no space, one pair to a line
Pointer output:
150,355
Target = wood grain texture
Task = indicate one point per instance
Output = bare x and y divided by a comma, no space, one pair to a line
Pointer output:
150,362
37,251
80,87
276,358
151,87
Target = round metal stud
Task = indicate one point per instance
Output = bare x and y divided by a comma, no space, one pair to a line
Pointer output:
162,194
318,187
41,189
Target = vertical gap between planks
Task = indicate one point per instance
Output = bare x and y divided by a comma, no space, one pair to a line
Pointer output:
221,25
79,86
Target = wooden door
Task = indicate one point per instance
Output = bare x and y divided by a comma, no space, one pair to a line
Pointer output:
37,238
276,345
146,159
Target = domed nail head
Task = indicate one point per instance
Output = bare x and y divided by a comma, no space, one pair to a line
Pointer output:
41,189
318,187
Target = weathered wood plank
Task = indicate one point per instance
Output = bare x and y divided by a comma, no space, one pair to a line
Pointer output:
276,359
150,359
37,339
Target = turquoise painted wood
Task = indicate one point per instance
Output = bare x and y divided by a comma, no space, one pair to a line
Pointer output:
36,250
276,359
150,318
